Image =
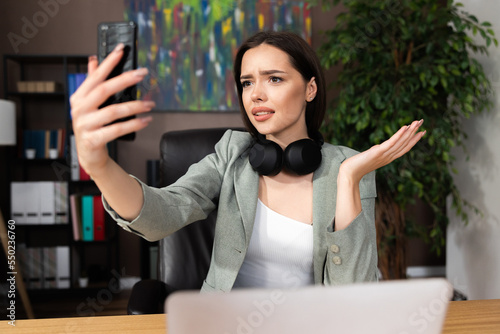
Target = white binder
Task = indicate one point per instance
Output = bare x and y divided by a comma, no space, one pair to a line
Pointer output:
61,202
47,202
25,202
75,165
63,274
18,190
49,268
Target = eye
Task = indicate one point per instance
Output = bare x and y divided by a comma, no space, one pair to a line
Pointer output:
275,79
245,84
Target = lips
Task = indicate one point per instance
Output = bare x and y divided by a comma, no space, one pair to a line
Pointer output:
262,113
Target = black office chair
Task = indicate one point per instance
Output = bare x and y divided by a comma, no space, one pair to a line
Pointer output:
183,257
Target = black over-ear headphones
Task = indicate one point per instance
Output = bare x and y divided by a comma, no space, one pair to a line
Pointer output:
300,157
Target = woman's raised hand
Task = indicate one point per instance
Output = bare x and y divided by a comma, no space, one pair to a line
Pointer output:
91,125
380,155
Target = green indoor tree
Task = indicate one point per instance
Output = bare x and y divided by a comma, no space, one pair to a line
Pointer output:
405,60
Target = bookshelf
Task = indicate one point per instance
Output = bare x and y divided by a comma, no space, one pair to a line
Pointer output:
41,85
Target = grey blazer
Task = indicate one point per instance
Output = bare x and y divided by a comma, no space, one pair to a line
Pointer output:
340,257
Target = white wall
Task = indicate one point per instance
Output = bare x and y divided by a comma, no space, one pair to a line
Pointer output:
473,251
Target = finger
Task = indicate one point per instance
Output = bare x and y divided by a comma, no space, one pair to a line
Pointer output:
409,139
408,146
398,144
114,112
92,65
401,137
414,140
91,68
91,122
113,131
102,71
83,104
395,138
104,90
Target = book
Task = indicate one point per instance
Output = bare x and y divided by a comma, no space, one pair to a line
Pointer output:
41,202
99,222
46,144
80,78
47,199
74,81
49,267
84,176
43,141
77,172
74,164
63,267
76,214
39,144
61,142
71,84
18,192
61,202
87,218
25,202
44,267
35,267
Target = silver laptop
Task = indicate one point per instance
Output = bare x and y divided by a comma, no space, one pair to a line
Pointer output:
399,307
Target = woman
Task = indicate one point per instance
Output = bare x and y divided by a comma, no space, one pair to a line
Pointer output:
310,221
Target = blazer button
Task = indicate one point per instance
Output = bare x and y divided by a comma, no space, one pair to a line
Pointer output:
337,260
334,248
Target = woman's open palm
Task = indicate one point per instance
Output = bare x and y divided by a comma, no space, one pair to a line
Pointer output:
380,155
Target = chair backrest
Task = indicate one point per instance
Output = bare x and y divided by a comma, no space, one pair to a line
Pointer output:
184,257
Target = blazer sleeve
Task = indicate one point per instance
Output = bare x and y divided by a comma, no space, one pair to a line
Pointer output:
189,199
352,254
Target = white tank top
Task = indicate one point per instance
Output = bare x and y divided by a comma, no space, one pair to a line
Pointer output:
280,254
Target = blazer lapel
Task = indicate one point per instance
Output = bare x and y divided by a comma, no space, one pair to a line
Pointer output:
246,184
324,202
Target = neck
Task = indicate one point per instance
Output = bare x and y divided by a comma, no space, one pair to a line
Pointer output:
284,140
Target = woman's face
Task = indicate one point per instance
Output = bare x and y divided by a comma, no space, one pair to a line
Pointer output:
275,94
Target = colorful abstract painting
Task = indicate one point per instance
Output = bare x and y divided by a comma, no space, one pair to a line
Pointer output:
188,46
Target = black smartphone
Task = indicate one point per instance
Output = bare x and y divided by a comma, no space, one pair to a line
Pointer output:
110,34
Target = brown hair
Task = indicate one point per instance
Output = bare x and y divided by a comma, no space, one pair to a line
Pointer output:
303,59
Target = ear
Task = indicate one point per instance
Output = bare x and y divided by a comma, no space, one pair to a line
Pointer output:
311,89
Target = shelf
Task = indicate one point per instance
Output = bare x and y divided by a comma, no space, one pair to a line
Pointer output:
88,187
84,182
48,59
43,161
47,111
38,236
37,95
103,243
42,226
91,289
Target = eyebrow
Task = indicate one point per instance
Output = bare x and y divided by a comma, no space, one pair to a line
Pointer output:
267,72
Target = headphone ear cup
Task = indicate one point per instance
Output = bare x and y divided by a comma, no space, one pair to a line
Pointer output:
303,156
266,158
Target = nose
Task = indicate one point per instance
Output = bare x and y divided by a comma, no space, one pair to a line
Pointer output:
258,92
